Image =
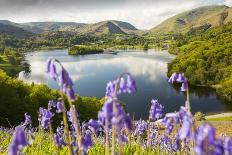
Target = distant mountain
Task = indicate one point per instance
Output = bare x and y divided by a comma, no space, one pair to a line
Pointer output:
100,28
9,28
105,27
211,16
40,27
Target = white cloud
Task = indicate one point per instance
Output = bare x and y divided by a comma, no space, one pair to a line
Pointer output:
144,14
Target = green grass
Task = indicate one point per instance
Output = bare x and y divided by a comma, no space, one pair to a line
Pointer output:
219,119
10,69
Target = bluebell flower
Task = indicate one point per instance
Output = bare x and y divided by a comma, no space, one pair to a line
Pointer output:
51,104
86,141
156,111
106,112
206,142
27,121
179,78
19,141
59,107
51,68
46,116
131,84
95,125
228,145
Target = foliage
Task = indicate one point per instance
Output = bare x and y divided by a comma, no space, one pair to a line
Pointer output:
82,49
199,116
206,58
18,98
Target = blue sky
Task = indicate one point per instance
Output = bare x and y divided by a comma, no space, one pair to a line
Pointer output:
144,14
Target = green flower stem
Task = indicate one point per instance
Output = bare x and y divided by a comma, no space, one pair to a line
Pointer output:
76,125
114,110
148,136
188,100
66,129
107,147
51,137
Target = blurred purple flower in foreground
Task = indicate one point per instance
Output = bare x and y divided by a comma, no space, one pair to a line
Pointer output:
179,78
18,142
63,78
206,142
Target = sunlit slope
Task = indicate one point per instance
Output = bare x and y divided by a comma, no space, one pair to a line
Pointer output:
212,16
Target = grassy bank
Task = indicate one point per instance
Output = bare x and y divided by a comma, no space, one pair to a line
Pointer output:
11,68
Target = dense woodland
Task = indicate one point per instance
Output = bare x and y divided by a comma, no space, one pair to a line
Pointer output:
18,98
205,56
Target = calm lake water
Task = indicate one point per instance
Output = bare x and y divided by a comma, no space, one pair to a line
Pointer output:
90,74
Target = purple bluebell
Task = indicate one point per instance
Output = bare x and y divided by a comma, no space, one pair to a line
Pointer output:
86,141
46,116
176,143
122,86
106,112
141,126
51,68
118,117
131,84
110,89
59,107
184,87
128,122
71,94
95,125
27,121
206,142
70,116
156,111
228,145
167,122
179,78
185,130
165,143
51,104
59,137
19,141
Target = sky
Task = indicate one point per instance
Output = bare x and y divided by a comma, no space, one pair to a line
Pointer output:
143,14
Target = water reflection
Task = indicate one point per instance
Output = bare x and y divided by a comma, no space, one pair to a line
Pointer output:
90,74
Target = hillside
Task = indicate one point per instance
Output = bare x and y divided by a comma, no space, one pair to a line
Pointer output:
40,27
212,16
100,28
15,31
206,59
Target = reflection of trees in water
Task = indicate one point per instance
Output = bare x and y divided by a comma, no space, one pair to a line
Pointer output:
204,92
197,91
27,70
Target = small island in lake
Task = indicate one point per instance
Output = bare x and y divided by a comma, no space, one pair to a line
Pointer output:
84,49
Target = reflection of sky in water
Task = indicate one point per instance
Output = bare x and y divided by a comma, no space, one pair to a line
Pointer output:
90,74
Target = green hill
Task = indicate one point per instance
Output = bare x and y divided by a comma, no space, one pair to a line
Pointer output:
206,58
100,28
212,16
15,31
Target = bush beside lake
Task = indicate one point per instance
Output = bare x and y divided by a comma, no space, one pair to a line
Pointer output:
18,98
84,49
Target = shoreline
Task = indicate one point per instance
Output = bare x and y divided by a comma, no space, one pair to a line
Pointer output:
219,115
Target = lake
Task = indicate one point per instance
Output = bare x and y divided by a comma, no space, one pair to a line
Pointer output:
90,74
